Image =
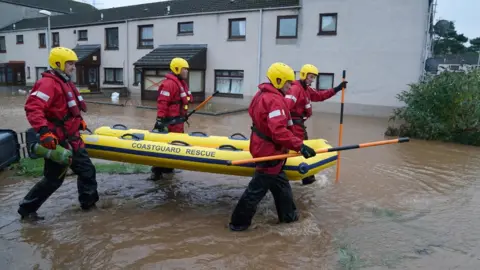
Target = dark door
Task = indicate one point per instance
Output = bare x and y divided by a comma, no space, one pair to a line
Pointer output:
16,74
92,75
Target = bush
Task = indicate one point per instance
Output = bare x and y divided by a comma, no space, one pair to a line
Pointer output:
445,107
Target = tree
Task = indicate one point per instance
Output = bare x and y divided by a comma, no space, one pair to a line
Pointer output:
447,40
474,45
444,107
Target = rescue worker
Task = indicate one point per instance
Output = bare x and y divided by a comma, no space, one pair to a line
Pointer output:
53,109
299,98
172,105
271,135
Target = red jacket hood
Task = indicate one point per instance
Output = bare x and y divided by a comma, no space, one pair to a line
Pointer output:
268,87
172,77
299,84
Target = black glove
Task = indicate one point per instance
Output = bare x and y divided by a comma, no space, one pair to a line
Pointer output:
340,86
160,125
307,151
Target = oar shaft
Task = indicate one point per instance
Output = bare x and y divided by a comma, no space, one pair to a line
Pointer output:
340,133
319,151
202,104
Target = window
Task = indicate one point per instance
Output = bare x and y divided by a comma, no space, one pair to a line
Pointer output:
55,39
28,72
145,36
153,78
287,26
41,40
328,24
111,37
3,45
229,81
184,28
325,81
83,35
113,76
19,39
237,28
138,77
3,75
195,81
39,71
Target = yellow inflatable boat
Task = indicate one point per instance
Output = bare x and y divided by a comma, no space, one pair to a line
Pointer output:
182,155
236,140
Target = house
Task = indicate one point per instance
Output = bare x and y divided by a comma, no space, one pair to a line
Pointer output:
453,63
17,10
230,45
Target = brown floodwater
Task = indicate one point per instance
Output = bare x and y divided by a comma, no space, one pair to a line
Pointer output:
404,206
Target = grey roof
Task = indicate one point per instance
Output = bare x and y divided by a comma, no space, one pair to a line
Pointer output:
84,51
62,6
470,58
195,54
157,9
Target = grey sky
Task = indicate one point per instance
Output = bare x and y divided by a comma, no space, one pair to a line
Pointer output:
463,12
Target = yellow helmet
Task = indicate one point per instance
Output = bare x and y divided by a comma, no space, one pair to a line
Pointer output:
177,64
306,69
280,71
61,55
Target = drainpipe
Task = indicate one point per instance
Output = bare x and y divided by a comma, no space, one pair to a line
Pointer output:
127,73
259,55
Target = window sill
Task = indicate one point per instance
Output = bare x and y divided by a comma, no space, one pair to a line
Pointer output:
185,34
229,95
144,47
332,33
111,49
42,47
113,83
236,39
3,51
19,43
83,39
287,37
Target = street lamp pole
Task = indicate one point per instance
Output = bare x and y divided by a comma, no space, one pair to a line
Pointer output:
47,38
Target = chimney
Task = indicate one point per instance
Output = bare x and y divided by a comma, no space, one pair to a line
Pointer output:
14,26
101,16
71,10
168,10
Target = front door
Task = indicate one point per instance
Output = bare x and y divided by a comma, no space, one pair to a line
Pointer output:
91,76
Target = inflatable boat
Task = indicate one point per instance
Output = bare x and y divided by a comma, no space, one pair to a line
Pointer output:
236,140
183,155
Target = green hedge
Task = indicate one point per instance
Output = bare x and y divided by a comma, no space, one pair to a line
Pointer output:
444,107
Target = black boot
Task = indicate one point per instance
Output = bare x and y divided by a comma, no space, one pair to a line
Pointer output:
88,207
309,180
33,216
156,174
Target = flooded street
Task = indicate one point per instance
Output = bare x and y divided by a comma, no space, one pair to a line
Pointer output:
404,206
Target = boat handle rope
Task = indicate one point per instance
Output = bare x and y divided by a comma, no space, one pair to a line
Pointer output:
198,132
135,137
179,143
228,147
87,129
119,125
238,134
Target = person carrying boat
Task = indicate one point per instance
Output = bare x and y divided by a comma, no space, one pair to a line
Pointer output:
53,109
299,98
172,105
271,135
